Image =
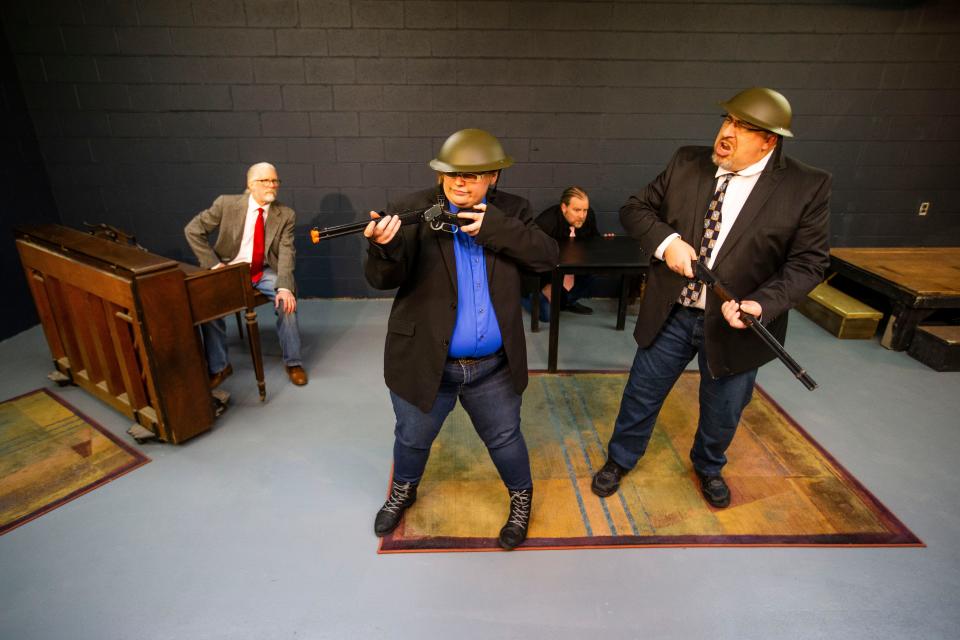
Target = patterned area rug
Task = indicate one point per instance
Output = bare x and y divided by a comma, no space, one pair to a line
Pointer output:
787,490
50,454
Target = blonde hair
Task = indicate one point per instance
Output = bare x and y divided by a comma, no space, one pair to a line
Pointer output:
573,192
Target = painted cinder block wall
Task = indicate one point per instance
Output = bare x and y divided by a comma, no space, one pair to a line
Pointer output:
144,110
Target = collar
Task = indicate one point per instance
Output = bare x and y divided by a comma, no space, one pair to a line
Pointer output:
252,205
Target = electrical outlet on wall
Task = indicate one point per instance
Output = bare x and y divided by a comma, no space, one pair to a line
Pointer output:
924,209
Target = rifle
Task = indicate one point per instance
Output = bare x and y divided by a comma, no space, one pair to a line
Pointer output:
438,219
709,278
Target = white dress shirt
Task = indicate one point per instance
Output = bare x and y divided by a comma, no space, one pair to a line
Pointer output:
245,254
741,184
249,224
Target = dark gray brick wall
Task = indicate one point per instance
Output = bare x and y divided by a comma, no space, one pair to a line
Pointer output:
28,199
146,110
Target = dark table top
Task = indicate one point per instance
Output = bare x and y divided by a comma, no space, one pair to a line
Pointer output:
618,252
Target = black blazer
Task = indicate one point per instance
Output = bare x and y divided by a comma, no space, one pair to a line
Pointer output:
421,263
775,254
553,223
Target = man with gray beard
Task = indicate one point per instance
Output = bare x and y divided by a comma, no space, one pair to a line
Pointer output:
760,221
256,228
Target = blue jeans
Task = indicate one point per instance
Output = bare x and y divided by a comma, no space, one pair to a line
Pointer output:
486,392
654,372
215,332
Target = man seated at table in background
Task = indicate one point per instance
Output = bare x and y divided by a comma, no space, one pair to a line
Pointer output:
571,219
252,227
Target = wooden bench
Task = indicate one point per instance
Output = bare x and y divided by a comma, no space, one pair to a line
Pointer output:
840,314
938,347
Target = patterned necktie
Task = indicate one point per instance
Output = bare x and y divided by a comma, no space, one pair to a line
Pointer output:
711,229
256,263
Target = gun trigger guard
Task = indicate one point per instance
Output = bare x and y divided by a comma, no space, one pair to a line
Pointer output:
438,225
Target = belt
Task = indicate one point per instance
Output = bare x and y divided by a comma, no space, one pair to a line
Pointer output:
496,354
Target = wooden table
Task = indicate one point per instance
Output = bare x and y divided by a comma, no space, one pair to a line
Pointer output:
619,255
916,280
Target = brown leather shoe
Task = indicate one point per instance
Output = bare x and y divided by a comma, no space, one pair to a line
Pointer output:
217,378
297,375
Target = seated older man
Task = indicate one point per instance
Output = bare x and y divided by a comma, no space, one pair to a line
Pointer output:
252,227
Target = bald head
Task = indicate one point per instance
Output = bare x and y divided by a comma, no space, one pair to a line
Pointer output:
263,182
260,166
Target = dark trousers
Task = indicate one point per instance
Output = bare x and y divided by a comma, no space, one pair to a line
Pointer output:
485,389
654,372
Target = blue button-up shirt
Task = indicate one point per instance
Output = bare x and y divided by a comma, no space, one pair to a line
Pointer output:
476,332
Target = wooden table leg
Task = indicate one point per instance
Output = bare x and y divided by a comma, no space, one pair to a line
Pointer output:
905,324
622,306
535,311
253,335
556,283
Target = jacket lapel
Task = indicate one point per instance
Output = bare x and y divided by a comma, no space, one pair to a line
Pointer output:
705,191
273,225
766,185
445,242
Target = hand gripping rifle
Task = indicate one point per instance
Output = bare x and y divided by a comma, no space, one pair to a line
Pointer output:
709,278
435,216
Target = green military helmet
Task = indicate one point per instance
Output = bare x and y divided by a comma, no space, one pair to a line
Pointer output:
471,150
763,107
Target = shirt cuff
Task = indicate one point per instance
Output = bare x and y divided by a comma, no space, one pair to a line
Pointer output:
658,254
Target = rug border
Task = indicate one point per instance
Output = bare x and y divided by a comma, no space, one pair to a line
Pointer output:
139,459
900,535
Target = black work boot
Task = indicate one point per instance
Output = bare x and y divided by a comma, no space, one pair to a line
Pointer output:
607,480
515,531
714,490
402,495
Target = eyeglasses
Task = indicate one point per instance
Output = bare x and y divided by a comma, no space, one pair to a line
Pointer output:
466,176
740,125
271,181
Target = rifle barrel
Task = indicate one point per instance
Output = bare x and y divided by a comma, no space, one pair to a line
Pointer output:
336,231
710,279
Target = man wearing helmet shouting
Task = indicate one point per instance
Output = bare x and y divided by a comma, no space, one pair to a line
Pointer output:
455,329
759,220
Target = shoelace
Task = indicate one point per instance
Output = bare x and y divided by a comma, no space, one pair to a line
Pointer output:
398,496
519,508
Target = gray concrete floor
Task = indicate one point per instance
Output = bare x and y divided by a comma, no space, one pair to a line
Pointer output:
262,528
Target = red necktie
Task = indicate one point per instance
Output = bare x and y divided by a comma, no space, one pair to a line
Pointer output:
256,264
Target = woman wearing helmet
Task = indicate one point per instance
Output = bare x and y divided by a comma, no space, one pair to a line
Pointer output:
455,329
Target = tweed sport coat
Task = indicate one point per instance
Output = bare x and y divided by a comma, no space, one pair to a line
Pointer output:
421,262
775,253
227,214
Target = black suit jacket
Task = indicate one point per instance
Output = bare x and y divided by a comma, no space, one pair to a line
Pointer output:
775,253
553,223
421,262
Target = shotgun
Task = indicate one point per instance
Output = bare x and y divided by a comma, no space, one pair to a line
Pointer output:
438,219
709,278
